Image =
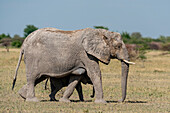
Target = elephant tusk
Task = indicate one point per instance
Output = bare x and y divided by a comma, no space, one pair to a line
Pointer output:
128,62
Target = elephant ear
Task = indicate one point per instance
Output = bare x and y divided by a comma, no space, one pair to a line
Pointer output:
95,43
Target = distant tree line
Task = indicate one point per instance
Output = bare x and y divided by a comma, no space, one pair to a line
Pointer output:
135,39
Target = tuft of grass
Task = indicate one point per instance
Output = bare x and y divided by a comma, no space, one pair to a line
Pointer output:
148,88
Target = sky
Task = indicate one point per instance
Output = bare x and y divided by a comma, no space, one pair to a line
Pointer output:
149,17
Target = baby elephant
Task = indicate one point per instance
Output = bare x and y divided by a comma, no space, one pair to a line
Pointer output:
59,83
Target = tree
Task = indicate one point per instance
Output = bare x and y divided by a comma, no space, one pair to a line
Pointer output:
136,35
4,36
6,43
16,36
126,37
29,29
17,41
101,27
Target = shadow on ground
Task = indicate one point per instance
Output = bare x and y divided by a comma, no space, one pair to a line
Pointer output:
92,101
127,102
48,101
70,100
81,101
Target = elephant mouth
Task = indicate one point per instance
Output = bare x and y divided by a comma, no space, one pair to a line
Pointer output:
128,62
123,60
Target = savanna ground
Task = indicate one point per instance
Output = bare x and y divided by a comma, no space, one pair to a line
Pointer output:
148,88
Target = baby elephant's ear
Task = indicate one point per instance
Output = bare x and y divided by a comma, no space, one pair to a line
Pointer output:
95,44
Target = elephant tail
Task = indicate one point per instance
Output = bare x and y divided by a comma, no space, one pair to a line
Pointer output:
16,71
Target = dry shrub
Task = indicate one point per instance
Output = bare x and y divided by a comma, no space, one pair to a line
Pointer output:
132,51
166,47
6,43
155,45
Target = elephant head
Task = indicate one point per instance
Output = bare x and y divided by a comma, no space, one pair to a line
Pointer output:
106,45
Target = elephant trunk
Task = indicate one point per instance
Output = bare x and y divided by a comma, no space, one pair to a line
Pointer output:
125,70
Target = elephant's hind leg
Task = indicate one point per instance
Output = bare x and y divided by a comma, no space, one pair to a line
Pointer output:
30,89
23,91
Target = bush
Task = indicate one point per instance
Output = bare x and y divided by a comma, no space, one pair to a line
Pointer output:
6,43
155,45
132,51
16,43
166,47
141,53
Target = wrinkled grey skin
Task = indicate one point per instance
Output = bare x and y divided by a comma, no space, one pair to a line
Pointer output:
58,83
56,53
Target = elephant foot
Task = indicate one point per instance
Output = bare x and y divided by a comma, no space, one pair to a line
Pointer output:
34,99
92,96
64,100
82,100
52,98
100,101
23,92
23,95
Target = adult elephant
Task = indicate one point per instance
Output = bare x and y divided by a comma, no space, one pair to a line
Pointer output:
56,53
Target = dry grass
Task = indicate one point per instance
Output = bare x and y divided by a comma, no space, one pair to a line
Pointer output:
148,88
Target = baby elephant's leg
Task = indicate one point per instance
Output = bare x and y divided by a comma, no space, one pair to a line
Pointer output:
56,85
79,91
74,79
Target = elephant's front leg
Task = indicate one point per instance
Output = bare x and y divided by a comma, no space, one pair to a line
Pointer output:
97,83
93,71
69,90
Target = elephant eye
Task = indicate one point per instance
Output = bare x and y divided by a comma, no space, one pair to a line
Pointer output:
119,46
